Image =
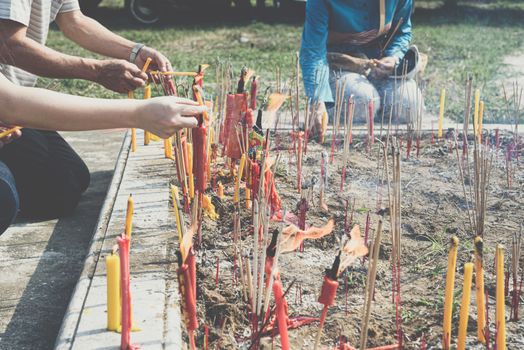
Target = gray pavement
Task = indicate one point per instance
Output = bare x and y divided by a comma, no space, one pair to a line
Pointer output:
40,262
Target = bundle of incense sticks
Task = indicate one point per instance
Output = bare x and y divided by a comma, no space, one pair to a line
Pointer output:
395,196
340,101
348,125
370,286
516,246
479,172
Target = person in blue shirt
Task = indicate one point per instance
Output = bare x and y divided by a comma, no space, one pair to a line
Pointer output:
377,32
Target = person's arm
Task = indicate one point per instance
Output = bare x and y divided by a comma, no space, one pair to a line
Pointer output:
401,39
313,52
25,53
48,110
94,37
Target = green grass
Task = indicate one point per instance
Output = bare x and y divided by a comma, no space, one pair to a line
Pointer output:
472,39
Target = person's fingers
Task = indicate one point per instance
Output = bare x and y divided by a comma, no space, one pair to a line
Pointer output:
132,68
128,86
183,100
141,75
187,122
169,66
136,82
190,110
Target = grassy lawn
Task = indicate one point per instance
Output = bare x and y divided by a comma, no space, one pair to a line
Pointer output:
472,39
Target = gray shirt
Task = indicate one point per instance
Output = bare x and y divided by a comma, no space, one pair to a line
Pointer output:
36,15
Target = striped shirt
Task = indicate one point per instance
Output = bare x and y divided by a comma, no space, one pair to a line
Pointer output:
36,15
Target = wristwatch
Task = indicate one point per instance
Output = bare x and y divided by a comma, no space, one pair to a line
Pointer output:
134,52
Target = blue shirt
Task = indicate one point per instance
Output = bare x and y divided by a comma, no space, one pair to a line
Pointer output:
349,26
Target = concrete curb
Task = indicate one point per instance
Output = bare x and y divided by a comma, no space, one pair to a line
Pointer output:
71,319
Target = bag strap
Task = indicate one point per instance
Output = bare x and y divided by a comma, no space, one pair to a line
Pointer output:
382,22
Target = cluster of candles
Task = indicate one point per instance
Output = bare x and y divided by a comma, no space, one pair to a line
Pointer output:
194,152
481,298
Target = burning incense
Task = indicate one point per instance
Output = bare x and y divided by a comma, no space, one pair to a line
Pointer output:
448,296
464,307
500,319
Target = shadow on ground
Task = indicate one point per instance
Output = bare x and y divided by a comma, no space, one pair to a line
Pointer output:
38,315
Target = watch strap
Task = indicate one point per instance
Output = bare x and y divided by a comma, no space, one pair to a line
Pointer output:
134,52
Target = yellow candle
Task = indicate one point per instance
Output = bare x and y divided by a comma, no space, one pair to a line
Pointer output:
147,95
481,117
476,112
479,286
174,198
248,198
190,170
500,302
168,148
441,112
448,298
220,190
464,307
133,140
129,216
239,176
113,292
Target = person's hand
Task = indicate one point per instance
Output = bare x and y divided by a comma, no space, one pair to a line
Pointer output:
158,61
163,116
9,138
120,76
315,120
384,67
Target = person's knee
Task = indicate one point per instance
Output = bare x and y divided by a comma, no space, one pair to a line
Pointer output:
69,191
411,100
8,204
64,187
362,91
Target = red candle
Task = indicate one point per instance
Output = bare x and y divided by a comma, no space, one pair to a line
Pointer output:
123,246
281,307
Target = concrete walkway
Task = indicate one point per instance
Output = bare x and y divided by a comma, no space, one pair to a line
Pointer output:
146,175
40,262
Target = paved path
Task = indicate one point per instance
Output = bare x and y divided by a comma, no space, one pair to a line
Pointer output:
40,262
146,175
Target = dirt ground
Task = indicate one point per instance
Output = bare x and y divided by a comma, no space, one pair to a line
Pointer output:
433,210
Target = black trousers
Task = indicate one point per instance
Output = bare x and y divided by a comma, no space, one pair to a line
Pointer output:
49,175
